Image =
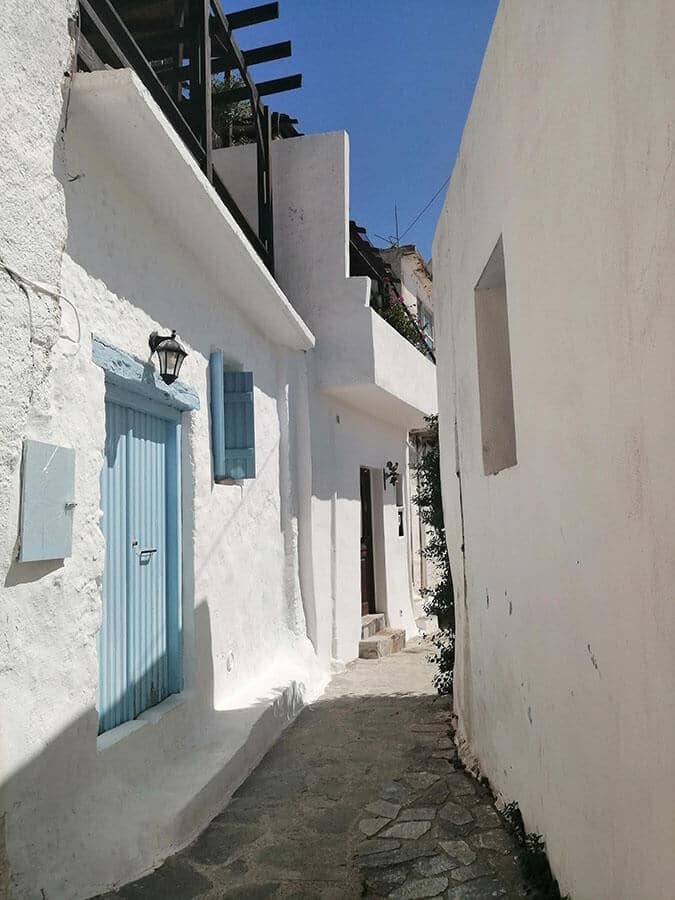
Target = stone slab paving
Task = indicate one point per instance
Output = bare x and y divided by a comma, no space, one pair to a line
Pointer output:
360,797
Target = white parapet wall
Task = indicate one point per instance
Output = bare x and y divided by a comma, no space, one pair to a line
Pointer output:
564,672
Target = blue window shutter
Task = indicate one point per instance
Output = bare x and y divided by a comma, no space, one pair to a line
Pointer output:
217,414
239,452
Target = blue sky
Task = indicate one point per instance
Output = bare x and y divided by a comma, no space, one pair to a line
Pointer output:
398,75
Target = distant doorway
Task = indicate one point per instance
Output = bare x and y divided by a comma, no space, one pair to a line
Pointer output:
367,565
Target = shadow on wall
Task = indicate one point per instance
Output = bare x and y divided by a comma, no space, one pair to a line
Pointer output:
160,278
115,238
68,800
29,572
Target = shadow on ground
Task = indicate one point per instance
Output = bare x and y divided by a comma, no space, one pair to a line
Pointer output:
360,796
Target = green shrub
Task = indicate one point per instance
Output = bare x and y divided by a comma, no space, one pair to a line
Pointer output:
439,600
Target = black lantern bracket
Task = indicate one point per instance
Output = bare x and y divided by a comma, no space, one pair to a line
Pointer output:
390,473
170,355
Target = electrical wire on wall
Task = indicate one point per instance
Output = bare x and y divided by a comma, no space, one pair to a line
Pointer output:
39,287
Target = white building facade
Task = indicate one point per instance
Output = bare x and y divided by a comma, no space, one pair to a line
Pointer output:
416,284
187,617
553,268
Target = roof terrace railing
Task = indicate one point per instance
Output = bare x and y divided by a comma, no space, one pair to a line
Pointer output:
179,48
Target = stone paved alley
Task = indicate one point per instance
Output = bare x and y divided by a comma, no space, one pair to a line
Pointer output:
359,797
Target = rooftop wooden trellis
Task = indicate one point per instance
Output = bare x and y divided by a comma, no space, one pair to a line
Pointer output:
177,47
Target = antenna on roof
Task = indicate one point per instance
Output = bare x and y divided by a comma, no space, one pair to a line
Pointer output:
396,222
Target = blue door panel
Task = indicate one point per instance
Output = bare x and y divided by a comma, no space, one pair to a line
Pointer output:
140,640
113,700
147,560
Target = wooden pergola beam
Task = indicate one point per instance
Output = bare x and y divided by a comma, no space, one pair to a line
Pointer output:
275,86
254,15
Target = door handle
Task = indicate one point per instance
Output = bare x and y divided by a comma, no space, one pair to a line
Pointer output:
147,552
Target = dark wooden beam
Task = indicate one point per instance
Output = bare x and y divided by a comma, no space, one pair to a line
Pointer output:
267,53
265,200
205,86
221,32
275,86
87,55
253,16
227,63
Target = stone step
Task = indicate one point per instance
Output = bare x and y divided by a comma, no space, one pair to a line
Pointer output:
427,624
370,625
384,643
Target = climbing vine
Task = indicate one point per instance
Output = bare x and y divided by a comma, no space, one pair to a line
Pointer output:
439,600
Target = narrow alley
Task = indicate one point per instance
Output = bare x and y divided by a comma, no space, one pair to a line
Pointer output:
360,796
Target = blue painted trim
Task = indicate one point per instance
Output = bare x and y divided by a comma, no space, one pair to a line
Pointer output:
124,397
217,390
239,425
140,377
174,573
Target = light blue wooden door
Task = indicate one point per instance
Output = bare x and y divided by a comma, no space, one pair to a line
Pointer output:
139,641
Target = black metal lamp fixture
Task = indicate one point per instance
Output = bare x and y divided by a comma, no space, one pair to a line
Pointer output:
390,473
170,355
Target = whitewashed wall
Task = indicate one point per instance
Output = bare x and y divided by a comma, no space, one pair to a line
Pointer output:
391,384
565,668
261,625
34,53
81,814
408,265
312,221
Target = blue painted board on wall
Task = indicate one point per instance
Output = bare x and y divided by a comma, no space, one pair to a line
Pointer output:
232,421
47,502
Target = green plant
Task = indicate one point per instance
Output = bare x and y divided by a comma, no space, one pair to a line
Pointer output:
391,306
234,122
439,599
395,314
533,859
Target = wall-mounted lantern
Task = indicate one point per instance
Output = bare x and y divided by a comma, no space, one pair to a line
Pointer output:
170,355
390,473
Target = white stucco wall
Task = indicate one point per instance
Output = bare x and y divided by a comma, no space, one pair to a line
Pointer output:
79,815
408,265
368,385
564,668
35,51
343,441
271,584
